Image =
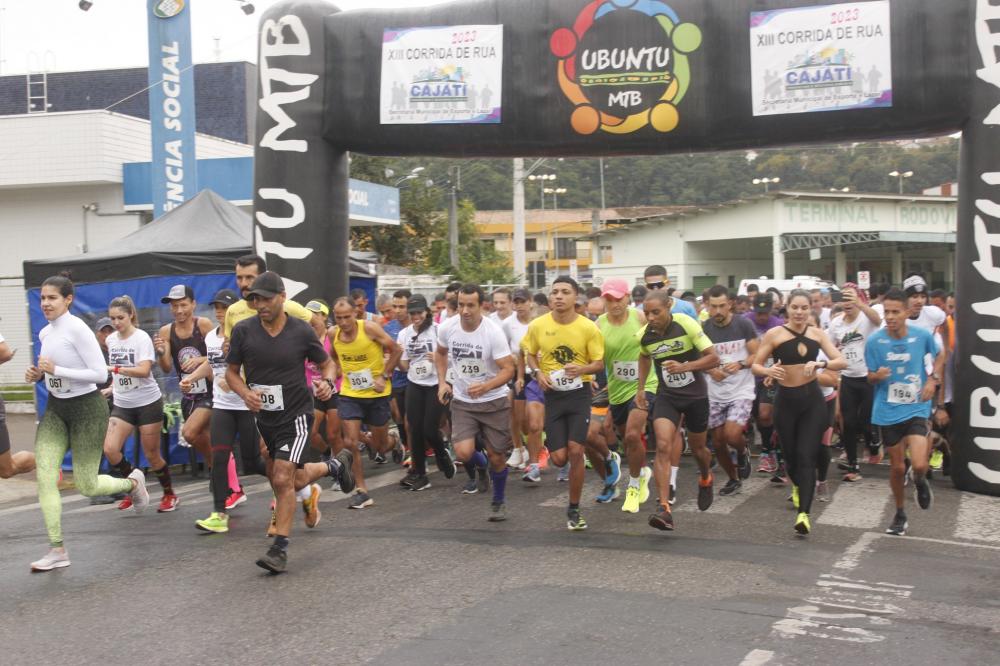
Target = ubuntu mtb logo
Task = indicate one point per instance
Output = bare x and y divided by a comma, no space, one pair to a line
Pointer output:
624,65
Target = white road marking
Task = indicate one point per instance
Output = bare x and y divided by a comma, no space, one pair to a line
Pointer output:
978,518
861,505
726,505
945,542
849,560
757,658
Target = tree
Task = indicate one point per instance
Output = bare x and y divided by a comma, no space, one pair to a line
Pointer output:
478,261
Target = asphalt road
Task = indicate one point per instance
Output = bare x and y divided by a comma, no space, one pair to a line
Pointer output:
422,578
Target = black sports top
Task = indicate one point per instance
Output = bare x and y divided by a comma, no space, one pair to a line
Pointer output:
788,352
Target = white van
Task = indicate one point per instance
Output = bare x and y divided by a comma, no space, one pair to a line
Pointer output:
806,282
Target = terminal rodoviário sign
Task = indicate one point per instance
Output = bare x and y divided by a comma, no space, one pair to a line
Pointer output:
824,58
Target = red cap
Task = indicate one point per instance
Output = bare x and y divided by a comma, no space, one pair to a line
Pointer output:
616,288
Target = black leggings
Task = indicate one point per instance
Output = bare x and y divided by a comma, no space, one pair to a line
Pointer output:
824,456
801,418
423,415
4,435
856,397
224,426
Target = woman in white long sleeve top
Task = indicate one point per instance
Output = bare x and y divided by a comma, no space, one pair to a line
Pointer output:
71,365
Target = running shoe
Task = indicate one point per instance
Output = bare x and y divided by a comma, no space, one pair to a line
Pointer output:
216,523
822,492
925,496
609,494
574,521
673,495
361,500
533,475
407,461
516,459
587,464
779,476
168,503
937,459
614,468
398,452
705,492
644,476
802,525
235,499
54,559
482,480
768,465
662,519
407,481
631,504
874,458
498,512
743,463
543,458
274,561
445,465
140,496
421,482
310,506
125,503
899,525
853,475
272,527
908,475
563,475
470,488
380,459
732,487
843,464
345,475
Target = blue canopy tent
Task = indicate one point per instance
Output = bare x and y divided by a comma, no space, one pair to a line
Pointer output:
195,244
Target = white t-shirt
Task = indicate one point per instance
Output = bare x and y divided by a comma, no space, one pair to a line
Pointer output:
132,392
220,399
827,390
418,350
76,354
824,318
1,337
850,339
472,357
514,331
930,317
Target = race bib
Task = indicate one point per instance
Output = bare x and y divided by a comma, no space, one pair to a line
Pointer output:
200,386
471,368
422,369
561,382
450,376
903,393
679,381
627,371
125,384
57,385
362,380
272,398
852,354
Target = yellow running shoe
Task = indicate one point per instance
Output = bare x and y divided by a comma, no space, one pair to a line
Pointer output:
216,522
937,459
644,477
631,504
311,506
802,525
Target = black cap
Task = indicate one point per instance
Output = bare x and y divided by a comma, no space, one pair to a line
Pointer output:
268,285
417,303
102,323
764,302
177,292
224,297
521,294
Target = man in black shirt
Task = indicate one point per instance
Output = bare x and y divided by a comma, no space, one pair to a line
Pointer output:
272,350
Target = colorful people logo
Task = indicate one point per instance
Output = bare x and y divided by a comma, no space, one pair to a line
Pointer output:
624,65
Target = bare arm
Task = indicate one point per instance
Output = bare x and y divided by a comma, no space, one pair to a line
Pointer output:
378,334
5,353
162,345
837,360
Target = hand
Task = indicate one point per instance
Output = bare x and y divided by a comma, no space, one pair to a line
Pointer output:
192,364
776,372
444,393
718,374
477,391
930,388
673,368
159,345
253,401
322,389
850,296
544,381
225,348
186,385
224,386
45,364
519,385
33,374
379,384
883,374
572,370
732,368
941,417
640,401
811,367
768,382
107,392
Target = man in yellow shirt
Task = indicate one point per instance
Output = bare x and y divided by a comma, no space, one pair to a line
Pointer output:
563,350
248,267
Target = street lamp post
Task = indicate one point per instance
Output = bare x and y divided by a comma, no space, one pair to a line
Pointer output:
389,173
766,182
901,175
541,184
555,192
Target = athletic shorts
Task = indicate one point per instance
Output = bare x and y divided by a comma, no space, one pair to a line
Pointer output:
894,434
533,392
325,405
4,434
765,395
619,413
694,411
518,395
736,411
189,404
567,417
287,441
372,411
490,420
140,416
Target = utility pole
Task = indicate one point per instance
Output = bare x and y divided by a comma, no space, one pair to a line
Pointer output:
456,184
603,204
520,256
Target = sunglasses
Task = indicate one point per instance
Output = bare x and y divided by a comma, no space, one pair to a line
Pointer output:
655,285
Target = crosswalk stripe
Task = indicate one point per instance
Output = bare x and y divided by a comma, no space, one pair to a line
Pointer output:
861,505
726,505
978,518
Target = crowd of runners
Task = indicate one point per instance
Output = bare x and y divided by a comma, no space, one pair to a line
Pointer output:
628,376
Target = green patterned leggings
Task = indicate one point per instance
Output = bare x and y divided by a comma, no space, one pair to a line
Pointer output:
78,424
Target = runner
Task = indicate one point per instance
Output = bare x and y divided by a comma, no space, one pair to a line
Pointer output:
763,319
180,346
360,349
360,299
400,300
137,400
230,417
475,349
731,386
849,331
76,417
656,280
514,329
21,462
272,349
800,413
325,434
418,342
619,326
904,390
680,352
563,350
502,306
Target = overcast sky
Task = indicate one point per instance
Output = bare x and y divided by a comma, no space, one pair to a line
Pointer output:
54,35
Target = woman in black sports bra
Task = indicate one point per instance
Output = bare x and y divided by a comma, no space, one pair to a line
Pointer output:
800,415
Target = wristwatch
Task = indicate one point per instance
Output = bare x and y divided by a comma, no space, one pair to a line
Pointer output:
936,378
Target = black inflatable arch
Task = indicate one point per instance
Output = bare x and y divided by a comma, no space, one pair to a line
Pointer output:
319,97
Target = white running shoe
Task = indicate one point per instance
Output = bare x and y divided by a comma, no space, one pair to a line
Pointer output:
54,559
516,460
140,496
